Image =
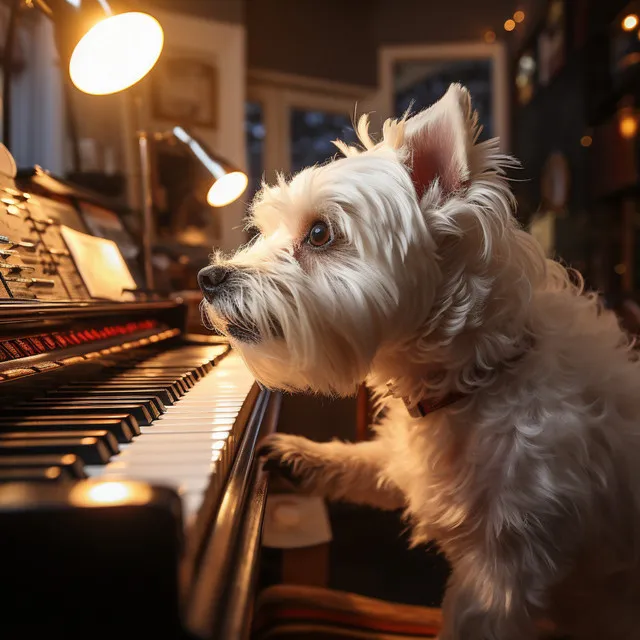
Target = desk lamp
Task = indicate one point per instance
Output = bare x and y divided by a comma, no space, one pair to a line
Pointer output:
110,48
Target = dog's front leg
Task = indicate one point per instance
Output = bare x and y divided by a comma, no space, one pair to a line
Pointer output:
335,470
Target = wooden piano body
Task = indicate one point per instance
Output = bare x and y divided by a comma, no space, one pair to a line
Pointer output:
97,537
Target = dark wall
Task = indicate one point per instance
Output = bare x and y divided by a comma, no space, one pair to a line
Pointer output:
222,10
331,39
338,39
434,21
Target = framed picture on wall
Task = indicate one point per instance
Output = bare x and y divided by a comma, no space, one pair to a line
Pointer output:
184,90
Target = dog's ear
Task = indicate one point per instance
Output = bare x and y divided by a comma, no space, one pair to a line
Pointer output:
437,142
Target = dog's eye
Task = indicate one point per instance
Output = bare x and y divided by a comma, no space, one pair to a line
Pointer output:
320,234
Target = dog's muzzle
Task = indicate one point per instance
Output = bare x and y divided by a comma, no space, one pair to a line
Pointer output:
212,280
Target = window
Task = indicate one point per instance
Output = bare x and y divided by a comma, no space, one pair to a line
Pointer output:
313,133
255,132
418,84
421,74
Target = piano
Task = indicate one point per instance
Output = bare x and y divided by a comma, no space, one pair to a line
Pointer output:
131,503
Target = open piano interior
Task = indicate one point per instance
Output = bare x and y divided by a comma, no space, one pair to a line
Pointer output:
130,500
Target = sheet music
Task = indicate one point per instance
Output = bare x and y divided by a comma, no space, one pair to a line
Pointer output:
101,265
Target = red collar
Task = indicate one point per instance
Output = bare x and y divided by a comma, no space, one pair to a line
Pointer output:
425,407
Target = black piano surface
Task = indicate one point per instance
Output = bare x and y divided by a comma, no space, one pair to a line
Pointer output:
108,527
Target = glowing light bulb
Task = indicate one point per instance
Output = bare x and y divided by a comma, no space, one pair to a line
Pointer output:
518,16
628,125
227,188
509,25
116,53
630,22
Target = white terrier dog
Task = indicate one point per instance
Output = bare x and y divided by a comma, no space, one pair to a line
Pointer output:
509,426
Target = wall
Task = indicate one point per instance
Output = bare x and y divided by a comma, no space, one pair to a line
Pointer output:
338,40
330,39
434,21
219,10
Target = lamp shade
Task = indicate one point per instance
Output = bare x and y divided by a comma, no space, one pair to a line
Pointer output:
229,182
107,47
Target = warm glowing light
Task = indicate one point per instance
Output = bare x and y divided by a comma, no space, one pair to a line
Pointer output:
586,141
116,53
628,126
490,36
227,188
518,16
509,25
109,492
620,269
630,22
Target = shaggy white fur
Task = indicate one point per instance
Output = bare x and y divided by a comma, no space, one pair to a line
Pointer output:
401,264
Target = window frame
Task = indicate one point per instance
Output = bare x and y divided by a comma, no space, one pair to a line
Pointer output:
279,93
389,56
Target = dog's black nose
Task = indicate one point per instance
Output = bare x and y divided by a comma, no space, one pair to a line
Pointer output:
211,280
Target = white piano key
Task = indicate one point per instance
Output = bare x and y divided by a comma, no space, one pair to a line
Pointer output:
187,427
200,415
177,466
178,423
191,502
173,448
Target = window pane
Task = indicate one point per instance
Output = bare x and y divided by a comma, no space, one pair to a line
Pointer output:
312,133
255,132
420,83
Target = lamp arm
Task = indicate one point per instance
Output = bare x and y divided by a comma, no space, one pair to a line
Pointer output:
147,207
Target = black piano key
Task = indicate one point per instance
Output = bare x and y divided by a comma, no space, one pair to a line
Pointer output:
197,371
186,377
178,385
89,450
69,463
33,474
178,372
164,393
153,404
102,435
185,380
117,425
170,379
32,410
140,412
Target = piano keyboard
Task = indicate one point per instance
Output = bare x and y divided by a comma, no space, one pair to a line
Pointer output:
130,496
168,418
193,441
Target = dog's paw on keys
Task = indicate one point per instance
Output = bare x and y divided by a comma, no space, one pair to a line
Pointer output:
283,469
284,457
